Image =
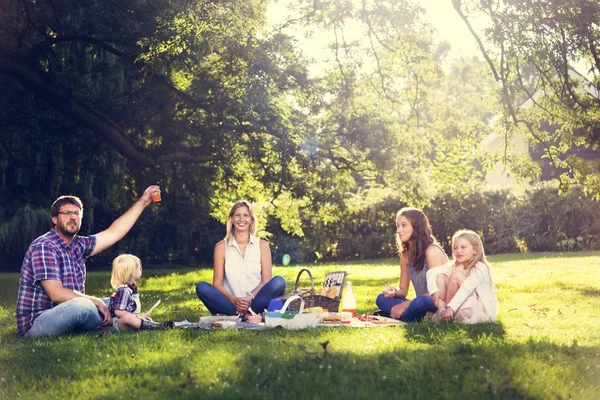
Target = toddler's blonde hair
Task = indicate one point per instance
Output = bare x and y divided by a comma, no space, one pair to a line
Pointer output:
123,268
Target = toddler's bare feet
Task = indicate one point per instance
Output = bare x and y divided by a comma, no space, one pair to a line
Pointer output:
437,317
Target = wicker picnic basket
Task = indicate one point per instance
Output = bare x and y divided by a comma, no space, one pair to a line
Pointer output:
333,286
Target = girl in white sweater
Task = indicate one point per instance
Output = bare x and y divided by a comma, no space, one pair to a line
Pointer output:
463,290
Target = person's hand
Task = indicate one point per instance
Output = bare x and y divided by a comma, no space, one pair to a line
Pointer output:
242,303
389,291
447,314
147,317
436,297
146,197
398,309
107,319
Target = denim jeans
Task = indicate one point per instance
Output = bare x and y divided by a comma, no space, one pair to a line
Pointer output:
414,312
73,315
219,304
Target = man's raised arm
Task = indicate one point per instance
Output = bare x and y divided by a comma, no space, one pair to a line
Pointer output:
125,222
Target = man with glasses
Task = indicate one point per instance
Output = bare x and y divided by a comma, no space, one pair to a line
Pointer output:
52,299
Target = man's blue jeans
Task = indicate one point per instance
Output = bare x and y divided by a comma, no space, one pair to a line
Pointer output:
414,312
219,304
78,314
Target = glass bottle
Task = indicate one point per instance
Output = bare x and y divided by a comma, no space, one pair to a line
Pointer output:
349,301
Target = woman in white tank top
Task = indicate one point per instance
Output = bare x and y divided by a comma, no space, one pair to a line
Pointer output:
242,268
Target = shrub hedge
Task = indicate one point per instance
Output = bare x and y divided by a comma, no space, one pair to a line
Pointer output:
537,219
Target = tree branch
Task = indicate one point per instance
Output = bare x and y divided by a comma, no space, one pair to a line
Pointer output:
456,4
92,119
502,77
103,43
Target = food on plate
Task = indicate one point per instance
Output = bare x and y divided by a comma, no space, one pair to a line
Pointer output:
315,309
367,318
254,319
385,322
223,324
332,319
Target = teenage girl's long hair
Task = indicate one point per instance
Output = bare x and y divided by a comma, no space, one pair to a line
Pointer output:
477,244
421,237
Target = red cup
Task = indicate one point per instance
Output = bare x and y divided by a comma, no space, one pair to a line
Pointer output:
156,197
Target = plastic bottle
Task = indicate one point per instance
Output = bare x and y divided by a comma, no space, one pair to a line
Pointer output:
349,301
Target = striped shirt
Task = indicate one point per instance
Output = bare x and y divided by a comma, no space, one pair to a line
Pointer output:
50,258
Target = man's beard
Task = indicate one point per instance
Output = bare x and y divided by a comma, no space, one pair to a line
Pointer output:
66,230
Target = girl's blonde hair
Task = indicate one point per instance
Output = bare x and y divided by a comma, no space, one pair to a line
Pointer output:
477,244
123,268
231,227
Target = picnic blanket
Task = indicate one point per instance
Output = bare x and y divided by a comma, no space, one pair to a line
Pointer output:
207,323
234,322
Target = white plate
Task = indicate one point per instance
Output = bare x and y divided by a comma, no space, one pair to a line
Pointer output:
386,321
215,318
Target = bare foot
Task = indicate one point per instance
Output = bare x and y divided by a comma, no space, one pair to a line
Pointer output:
437,317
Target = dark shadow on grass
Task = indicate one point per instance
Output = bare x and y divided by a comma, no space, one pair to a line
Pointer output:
591,292
455,367
191,314
426,332
586,291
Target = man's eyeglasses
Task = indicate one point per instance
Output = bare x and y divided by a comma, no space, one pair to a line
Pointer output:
69,213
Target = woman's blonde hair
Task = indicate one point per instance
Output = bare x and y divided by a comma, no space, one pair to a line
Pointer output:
123,268
477,244
231,227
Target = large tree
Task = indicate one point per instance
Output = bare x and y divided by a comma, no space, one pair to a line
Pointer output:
546,55
103,97
215,103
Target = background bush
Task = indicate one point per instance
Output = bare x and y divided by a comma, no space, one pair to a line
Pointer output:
537,219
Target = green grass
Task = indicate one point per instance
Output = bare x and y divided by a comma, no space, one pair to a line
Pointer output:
545,345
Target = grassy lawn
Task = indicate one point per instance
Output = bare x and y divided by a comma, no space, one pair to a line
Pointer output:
545,345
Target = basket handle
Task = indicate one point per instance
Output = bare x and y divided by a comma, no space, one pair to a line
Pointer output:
288,301
312,283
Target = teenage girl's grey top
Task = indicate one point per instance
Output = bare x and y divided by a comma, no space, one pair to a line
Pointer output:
419,278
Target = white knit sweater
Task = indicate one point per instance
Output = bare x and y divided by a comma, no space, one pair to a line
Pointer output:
479,280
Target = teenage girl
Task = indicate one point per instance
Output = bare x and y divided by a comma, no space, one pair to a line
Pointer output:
418,251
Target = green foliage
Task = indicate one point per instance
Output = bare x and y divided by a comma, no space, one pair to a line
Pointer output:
489,213
208,100
18,232
548,219
545,55
538,219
